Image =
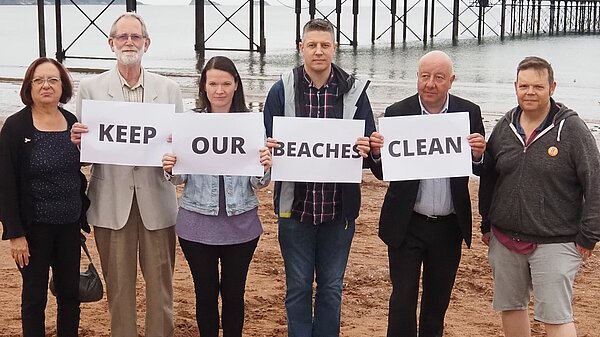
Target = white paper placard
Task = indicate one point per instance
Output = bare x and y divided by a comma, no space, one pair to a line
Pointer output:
218,143
425,146
125,133
317,150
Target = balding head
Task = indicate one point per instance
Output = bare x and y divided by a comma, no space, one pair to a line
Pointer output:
437,57
435,77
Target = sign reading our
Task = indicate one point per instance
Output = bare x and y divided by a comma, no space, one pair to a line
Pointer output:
317,150
218,143
425,146
125,133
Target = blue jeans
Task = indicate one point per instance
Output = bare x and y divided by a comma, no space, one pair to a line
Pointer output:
307,250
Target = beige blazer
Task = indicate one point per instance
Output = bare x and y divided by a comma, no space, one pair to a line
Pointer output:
112,187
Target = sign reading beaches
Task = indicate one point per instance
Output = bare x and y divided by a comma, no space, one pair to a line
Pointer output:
125,133
425,146
317,150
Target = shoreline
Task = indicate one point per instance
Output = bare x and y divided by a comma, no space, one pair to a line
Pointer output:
254,99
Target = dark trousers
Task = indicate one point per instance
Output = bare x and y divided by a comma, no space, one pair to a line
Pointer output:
434,245
56,246
204,265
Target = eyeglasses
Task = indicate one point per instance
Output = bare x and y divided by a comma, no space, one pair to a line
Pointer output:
39,81
135,38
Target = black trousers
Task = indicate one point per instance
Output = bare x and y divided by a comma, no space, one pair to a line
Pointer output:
434,245
204,265
56,246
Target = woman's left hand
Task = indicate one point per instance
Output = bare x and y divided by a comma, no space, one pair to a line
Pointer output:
19,250
265,158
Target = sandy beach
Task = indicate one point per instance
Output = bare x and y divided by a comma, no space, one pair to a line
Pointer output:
366,289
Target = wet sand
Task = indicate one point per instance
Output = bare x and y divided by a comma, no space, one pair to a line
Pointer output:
366,288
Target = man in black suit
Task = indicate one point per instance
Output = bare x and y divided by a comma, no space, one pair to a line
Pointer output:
423,222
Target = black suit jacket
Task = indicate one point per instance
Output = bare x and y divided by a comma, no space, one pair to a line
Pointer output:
400,198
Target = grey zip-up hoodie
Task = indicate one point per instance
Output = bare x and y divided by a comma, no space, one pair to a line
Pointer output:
547,191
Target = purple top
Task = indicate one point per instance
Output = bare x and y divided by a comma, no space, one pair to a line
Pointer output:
220,229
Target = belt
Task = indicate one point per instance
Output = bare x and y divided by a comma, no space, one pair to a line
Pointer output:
434,218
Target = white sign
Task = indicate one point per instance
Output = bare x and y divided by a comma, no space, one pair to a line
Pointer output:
317,150
218,143
425,146
125,133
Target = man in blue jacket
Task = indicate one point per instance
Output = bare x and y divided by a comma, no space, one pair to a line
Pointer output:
316,220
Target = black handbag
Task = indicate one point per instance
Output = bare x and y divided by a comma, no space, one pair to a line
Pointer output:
90,285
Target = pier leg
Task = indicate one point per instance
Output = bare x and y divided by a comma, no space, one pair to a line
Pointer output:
425,12
60,53
455,14
373,18
200,46
41,28
298,11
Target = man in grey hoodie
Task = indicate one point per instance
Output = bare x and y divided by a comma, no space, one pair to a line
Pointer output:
539,199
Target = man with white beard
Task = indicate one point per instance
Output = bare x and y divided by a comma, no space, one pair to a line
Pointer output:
133,208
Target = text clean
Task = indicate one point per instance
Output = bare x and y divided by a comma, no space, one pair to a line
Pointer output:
425,146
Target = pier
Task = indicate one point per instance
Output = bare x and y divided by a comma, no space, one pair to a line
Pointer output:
459,19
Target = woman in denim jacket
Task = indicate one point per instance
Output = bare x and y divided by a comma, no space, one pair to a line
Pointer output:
218,219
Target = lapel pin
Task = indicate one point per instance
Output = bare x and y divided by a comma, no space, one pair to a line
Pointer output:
27,140
552,151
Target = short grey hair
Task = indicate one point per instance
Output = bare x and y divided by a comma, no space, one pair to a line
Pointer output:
113,28
321,25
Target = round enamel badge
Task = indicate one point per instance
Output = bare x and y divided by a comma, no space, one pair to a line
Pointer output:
552,151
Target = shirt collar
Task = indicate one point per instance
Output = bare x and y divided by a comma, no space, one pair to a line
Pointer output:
310,83
444,108
140,82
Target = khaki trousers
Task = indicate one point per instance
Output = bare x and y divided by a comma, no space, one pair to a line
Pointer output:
118,251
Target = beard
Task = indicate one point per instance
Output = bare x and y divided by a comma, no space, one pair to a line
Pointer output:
129,57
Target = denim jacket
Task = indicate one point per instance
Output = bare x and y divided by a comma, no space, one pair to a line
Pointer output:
201,192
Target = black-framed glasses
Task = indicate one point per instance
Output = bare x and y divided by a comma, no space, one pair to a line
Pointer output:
39,81
135,38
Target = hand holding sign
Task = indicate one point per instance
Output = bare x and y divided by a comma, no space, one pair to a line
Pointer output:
363,146
376,143
265,158
76,130
477,143
168,161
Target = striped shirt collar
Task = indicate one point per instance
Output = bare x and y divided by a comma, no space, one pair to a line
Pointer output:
140,82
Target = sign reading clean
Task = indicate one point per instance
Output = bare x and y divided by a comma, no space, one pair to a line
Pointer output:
425,146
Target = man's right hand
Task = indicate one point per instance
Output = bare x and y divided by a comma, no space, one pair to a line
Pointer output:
76,130
376,143
168,161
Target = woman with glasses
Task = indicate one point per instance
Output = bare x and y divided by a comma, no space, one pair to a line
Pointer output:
42,204
218,219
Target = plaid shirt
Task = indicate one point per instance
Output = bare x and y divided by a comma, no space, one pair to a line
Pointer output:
318,202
